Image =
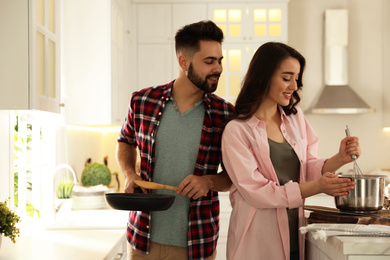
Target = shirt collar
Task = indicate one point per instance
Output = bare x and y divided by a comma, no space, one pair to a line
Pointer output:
254,121
167,93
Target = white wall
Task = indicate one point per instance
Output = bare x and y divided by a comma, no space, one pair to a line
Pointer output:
306,34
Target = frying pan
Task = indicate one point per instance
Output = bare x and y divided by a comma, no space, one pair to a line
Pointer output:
140,201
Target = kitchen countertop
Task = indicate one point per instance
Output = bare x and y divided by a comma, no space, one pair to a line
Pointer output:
348,247
43,244
76,235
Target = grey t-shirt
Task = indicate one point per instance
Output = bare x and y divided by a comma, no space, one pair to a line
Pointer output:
177,147
286,165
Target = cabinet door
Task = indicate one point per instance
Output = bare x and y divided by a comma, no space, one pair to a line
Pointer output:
232,19
154,64
30,60
182,17
87,62
154,22
45,61
267,22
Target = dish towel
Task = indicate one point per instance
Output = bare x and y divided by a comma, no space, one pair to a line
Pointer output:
323,231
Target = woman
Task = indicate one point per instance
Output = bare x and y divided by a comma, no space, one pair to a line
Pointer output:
270,153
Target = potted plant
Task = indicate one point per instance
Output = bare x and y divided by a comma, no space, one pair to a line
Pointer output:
8,220
64,189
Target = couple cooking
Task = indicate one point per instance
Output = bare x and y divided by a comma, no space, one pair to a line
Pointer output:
268,152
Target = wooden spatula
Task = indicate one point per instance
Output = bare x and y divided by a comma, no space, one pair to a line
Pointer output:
153,185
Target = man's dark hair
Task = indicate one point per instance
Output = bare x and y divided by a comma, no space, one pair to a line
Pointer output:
188,38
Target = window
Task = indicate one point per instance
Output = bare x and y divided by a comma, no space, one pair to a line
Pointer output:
33,160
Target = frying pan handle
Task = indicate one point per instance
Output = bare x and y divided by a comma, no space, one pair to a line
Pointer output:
138,190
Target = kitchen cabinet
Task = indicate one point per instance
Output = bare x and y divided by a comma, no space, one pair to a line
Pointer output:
386,64
246,27
156,55
30,55
251,23
96,54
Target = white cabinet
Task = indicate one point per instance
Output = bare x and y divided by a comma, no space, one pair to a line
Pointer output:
386,64
157,25
245,27
29,55
254,23
95,57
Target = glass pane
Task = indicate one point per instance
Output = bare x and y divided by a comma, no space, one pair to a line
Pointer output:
259,15
220,16
275,30
40,61
223,28
275,15
224,59
235,30
52,15
234,85
234,60
52,69
40,12
259,30
221,89
235,15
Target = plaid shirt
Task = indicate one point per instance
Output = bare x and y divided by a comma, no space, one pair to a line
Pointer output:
140,128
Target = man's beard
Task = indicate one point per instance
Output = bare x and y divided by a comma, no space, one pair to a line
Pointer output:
199,82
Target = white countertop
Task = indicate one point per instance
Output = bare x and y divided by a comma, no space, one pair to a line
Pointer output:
339,247
43,244
78,235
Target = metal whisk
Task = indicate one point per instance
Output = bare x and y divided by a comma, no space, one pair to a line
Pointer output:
356,169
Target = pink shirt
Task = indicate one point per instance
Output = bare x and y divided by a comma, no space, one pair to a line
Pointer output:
258,226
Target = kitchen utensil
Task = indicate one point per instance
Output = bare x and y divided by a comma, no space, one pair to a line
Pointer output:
367,196
140,201
153,185
356,168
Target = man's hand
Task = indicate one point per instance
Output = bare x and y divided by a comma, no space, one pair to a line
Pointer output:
194,186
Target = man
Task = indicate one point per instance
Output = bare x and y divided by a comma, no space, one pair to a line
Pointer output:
177,128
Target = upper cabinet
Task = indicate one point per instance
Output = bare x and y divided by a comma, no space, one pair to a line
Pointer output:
386,64
96,54
246,26
246,23
30,55
156,26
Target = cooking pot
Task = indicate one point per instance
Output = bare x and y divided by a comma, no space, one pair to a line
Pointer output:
367,196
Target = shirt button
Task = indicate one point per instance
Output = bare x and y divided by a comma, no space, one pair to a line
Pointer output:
294,144
147,226
167,99
159,113
284,131
151,134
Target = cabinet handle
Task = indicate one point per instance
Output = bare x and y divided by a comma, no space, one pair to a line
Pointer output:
62,105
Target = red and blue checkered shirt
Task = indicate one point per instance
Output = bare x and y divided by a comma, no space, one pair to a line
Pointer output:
140,129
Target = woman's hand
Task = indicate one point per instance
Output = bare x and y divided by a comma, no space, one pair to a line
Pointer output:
349,146
331,184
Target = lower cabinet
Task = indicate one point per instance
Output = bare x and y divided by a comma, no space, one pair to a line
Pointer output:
119,251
